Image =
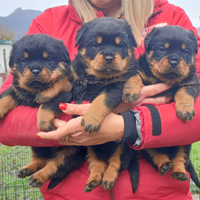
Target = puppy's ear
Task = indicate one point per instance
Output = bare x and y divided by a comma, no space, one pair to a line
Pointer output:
11,58
192,36
80,34
131,38
65,53
149,36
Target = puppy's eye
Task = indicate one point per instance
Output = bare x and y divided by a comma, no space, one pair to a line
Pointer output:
95,45
185,52
49,59
24,60
162,49
121,45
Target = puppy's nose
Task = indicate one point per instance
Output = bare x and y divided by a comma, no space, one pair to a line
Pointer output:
109,58
36,70
173,61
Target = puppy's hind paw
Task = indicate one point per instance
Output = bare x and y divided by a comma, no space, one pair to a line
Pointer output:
25,172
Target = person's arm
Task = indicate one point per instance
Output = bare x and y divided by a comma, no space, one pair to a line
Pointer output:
152,126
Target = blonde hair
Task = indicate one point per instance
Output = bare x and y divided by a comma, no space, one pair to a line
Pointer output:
136,12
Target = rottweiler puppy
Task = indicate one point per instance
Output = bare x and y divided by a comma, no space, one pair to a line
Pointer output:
101,73
170,58
40,68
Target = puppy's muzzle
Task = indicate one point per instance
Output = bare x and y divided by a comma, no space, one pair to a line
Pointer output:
174,61
35,70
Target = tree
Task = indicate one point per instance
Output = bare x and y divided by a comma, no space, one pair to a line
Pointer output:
6,34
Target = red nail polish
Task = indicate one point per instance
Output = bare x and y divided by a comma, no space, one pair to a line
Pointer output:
62,106
37,136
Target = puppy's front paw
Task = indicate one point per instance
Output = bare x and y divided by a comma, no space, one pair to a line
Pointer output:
45,125
90,126
42,99
186,114
127,97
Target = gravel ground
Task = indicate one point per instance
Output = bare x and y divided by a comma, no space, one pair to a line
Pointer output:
196,196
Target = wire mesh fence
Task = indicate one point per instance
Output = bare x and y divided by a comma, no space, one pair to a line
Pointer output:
11,187
12,159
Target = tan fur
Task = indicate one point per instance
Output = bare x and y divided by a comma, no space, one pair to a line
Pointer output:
7,104
145,78
179,161
44,117
92,116
112,172
96,167
50,168
99,40
26,55
184,101
158,158
98,64
45,55
117,40
133,86
161,68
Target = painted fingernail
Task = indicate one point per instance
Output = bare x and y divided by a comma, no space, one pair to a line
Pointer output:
62,106
37,136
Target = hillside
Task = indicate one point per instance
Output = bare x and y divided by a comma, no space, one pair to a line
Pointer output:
19,21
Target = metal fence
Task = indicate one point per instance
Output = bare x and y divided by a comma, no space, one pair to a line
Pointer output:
11,187
12,159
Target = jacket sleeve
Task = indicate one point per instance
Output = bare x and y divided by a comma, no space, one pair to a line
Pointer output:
20,126
158,125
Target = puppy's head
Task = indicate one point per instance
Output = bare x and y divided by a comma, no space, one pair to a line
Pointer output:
170,51
38,61
107,45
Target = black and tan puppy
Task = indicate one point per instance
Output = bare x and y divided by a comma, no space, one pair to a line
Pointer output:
40,66
101,73
170,58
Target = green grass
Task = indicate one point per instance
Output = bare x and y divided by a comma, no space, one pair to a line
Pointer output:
13,158
195,155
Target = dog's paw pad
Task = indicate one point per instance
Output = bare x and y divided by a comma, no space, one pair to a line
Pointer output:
34,182
180,176
165,168
128,97
187,116
90,128
45,126
25,172
108,185
92,185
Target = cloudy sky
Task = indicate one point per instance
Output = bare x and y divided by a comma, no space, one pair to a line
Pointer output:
192,7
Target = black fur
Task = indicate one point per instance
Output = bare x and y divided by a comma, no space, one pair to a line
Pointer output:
39,62
173,45
88,86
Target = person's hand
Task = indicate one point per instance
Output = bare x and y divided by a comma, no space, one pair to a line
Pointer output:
112,126
111,129
145,97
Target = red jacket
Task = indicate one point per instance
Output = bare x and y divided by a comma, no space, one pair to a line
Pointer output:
20,129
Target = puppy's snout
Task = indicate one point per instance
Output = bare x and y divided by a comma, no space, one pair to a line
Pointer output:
109,58
35,69
173,60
